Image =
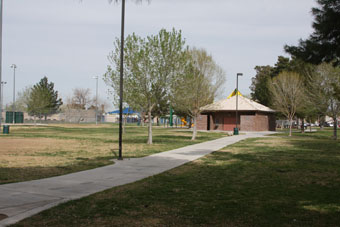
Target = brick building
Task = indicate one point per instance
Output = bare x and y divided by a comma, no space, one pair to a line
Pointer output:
221,115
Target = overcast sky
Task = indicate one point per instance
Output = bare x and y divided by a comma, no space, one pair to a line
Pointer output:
69,40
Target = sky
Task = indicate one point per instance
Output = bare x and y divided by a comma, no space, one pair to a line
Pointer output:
69,40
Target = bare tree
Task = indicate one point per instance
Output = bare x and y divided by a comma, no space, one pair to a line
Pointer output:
199,86
323,91
81,98
287,91
78,104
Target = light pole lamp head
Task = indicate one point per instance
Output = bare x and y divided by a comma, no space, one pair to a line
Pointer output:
239,74
14,66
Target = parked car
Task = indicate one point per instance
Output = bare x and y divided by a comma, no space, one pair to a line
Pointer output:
325,124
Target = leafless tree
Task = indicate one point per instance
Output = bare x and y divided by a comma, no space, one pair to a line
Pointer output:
199,86
288,94
81,98
323,91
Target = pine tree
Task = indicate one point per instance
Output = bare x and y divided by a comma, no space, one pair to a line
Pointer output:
43,99
323,44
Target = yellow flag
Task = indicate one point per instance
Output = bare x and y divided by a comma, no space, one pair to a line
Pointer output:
234,93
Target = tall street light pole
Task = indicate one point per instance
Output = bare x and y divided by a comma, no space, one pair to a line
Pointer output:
14,66
2,97
1,13
236,131
96,77
121,82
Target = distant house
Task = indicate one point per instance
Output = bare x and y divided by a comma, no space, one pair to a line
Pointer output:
221,115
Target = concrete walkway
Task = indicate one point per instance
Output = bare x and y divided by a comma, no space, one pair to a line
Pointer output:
22,200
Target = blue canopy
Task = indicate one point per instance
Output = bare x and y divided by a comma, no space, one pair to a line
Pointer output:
125,111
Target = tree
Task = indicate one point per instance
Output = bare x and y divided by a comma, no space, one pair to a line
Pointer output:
323,44
259,87
22,100
323,93
150,66
81,99
43,99
78,104
287,94
199,85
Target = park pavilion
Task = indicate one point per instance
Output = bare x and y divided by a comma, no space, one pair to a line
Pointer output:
221,115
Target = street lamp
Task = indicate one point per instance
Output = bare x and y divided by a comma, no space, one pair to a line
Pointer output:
1,13
2,98
121,82
236,131
96,77
13,66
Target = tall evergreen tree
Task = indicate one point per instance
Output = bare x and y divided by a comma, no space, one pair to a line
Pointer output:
259,87
43,100
323,44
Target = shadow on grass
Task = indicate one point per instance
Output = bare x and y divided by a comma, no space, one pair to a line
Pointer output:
11,175
247,184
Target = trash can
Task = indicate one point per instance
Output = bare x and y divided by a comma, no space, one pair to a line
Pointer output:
6,129
236,131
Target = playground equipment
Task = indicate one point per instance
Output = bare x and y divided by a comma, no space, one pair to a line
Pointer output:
185,123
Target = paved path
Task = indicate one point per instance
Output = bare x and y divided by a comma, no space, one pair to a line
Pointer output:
21,200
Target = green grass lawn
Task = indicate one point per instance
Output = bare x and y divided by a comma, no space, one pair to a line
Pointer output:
273,181
34,152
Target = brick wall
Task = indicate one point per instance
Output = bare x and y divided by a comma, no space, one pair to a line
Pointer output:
248,123
261,122
202,122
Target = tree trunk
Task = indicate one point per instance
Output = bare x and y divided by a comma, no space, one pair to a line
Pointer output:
303,125
195,128
124,123
35,120
142,119
290,126
310,125
150,127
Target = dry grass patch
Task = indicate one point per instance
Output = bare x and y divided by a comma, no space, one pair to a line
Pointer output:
47,152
